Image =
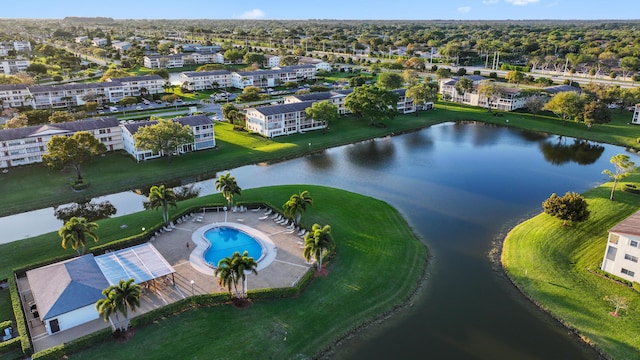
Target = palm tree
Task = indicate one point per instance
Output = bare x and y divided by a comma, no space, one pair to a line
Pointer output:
126,296
107,306
163,197
228,186
297,205
245,263
75,232
316,242
226,273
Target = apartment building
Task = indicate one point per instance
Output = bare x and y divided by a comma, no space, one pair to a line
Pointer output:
12,66
201,126
508,98
205,80
623,249
163,61
23,146
69,95
271,61
283,119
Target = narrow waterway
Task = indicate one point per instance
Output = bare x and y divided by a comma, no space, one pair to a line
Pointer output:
459,186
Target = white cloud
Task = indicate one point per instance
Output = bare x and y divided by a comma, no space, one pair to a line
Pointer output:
464,9
253,14
490,1
521,2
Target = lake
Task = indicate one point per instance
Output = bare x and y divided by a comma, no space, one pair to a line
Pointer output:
460,186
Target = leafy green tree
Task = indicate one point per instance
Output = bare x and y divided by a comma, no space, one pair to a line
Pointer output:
356,81
249,93
288,60
422,93
515,77
233,270
389,81
9,79
90,106
571,207
254,58
75,232
60,117
596,112
297,205
18,121
128,100
229,112
228,186
165,137
162,197
463,86
372,103
36,68
443,73
535,103
73,150
210,67
566,105
316,243
114,73
489,90
322,111
623,167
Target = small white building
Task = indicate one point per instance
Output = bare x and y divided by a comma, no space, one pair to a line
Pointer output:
636,115
271,61
64,295
623,249
201,127
12,66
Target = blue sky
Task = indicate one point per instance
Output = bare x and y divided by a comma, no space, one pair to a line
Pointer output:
328,9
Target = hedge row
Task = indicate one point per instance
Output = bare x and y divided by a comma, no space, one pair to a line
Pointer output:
9,344
21,321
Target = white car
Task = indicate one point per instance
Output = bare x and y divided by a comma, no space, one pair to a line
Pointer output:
138,107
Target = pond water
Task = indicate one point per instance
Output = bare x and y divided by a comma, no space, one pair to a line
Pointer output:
460,186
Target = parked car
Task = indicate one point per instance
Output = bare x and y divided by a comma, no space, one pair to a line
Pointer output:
138,107
113,109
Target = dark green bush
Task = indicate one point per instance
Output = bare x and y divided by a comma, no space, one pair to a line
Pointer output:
18,313
612,277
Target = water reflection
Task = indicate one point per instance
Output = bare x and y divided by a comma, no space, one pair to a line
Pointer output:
320,160
373,153
582,152
417,141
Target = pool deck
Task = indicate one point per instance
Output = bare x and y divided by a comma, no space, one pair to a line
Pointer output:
283,270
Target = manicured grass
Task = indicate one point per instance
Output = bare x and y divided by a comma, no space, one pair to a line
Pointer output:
359,285
6,311
549,263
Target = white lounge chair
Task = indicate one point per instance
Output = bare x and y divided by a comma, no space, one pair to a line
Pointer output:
268,212
263,217
258,209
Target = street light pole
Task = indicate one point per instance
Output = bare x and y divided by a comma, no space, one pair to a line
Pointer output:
192,282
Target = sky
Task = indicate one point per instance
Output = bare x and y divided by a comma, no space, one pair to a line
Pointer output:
328,9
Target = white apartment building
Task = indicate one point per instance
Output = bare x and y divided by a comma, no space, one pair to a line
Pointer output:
13,96
283,119
303,72
12,66
623,249
163,61
335,97
201,126
263,78
271,61
319,64
205,57
23,146
68,95
509,98
205,80
99,42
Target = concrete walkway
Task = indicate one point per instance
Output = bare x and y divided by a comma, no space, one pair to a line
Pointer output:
176,246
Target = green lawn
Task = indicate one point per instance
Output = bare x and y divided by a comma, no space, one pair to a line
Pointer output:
549,262
359,285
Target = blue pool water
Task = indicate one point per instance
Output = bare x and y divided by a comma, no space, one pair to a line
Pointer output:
225,241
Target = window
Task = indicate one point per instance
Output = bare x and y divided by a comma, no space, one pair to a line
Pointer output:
613,238
633,243
631,258
627,272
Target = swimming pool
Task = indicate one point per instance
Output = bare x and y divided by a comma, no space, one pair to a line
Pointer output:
224,241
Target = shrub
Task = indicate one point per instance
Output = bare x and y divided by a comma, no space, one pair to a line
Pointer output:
476,72
493,75
18,313
630,188
612,277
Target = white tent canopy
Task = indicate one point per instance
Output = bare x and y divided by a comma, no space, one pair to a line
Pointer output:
142,263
